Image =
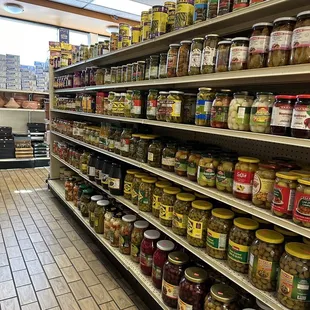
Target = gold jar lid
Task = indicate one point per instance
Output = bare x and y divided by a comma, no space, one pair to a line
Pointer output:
202,205
172,190
222,213
223,293
133,171
245,223
298,249
269,236
149,180
196,274
163,184
185,197
178,258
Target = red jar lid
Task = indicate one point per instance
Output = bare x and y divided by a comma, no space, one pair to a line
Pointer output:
304,96
288,97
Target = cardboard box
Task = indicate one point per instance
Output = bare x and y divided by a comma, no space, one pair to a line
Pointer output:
14,74
13,86
10,56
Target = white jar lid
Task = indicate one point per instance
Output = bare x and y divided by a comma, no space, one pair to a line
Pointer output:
284,19
152,234
165,245
262,305
129,218
103,203
96,197
141,224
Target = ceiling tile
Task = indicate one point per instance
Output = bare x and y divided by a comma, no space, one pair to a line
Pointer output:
75,3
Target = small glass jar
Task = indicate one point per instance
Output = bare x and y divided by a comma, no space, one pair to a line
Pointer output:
238,56
135,186
193,164
201,8
265,254
162,69
189,108
85,200
125,233
146,190
219,110
244,176
147,68
133,145
183,58
115,227
197,223
157,195
119,73
154,153
205,97
136,109
207,168
209,53
219,226
225,174
181,157
166,206
134,71
159,258
151,107
168,157
301,214
91,208
184,14
300,126
107,222
195,56
162,101
224,7
125,141
222,56
172,58
181,210
221,297
284,191
140,72
124,74
154,66
148,247
142,148
174,111
130,173
139,227
107,76
173,272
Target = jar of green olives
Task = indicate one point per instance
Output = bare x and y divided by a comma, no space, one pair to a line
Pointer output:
157,194
181,210
168,157
204,101
207,169
195,56
174,111
221,297
301,211
241,237
142,148
130,173
193,164
166,206
197,223
289,236
135,187
225,174
154,153
162,102
146,189
218,229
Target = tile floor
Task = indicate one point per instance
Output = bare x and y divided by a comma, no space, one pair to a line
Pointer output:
47,261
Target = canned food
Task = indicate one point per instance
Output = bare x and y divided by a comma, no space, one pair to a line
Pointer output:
124,30
135,32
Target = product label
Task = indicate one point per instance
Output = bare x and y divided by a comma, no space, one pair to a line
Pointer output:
281,115
105,179
301,37
301,117
293,287
166,212
219,114
280,40
151,107
176,108
91,171
238,252
260,116
243,182
156,272
283,199
239,54
114,183
200,11
117,145
262,188
180,164
302,207
191,169
179,220
203,109
209,56
146,259
127,187
150,156
194,228
195,58
143,198
125,145
259,45
156,202
240,4
168,161
263,269
243,115
134,194
206,176
184,306
216,240
170,290
159,22
136,107
224,178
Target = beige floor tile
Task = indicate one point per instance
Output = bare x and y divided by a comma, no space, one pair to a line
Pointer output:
10,241
62,261
21,278
47,299
65,242
56,249
5,274
31,229
72,252
80,244
29,255
46,258
52,271
40,282
88,255
2,248
138,302
109,306
59,233
3,260
97,267
7,290
34,267
40,223
40,247
60,286
26,295
25,244
79,264
14,252
33,306
10,304
36,237
70,274
88,304
50,240
17,264
108,282
89,277
73,236
100,294
67,302
121,299
132,308
79,290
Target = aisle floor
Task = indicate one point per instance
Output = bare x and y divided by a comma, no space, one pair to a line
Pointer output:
47,261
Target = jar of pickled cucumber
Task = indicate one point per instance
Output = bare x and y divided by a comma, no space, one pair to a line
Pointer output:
99,212
181,157
154,153
181,210
193,164
289,236
157,194
197,223
204,102
135,187
207,168
166,206
195,56
301,211
219,226
225,174
219,110
209,53
168,157
284,191
162,101
244,176
189,108
241,237
221,297
130,173
146,190
142,148
133,144
174,111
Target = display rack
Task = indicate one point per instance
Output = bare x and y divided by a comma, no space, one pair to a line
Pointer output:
5,90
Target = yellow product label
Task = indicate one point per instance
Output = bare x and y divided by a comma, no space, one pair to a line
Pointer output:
201,1
194,228
156,202
159,22
134,194
262,268
183,305
170,290
127,187
179,220
166,212
126,41
119,44
84,167
238,252
176,108
184,15
115,105
216,240
135,36
262,188
146,31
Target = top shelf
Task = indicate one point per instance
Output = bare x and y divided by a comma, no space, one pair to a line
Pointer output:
228,24
5,90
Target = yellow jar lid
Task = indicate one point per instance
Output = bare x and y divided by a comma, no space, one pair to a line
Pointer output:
141,175
245,223
284,231
202,205
298,249
186,197
136,135
238,211
287,175
222,213
149,180
269,236
250,160
146,137
306,240
301,173
304,181
163,184
201,196
172,190
133,171
261,221
188,190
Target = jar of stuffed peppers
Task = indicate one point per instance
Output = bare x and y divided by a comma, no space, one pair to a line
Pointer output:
225,174
219,110
154,153
125,233
130,173
181,157
301,211
139,227
205,98
115,227
221,297
207,168
168,157
146,190
162,106
157,194
174,111
142,148
193,164
166,206
107,222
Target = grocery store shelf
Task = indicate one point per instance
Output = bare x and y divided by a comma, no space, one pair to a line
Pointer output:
227,24
221,266
5,90
134,268
193,128
21,110
23,159
227,198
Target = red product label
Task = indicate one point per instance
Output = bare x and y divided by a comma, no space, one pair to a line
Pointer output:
283,199
137,102
301,210
152,103
301,117
243,181
240,5
256,1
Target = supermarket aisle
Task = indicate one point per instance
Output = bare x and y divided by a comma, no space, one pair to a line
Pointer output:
46,259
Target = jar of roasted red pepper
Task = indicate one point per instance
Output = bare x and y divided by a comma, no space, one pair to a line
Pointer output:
136,239
159,258
148,247
125,233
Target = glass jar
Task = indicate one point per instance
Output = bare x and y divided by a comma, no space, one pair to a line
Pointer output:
225,174
222,56
99,212
289,236
115,227
200,13
154,64
129,73
168,157
172,58
91,167
119,74
207,167
263,184
147,69
117,141
162,106
124,74
113,74
205,98
107,76
181,210
244,176
154,153
261,113
116,180
300,126
189,108
85,200
142,148
197,223
193,289
139,227
183,58
134,71
212,9
265,254
157,195
130,173
239,112
146,190
219,226
173,272
136,109
151,107
91,208
184,14
301,214
125,233
281,116
69,184
107,222
159,258
128,103
166,206
209,53
241,237
195,56
293,275
219,110
125,141
280,41
238,56
140,73
133,145
174,111
135,187
239,4
162,69
224,7
107,165
148,247
221,297
181,157
193,164
284,191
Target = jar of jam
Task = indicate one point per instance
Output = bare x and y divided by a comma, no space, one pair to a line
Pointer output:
300,126
221,297
139,228
159,258
173,272
125,233
148,247
91,208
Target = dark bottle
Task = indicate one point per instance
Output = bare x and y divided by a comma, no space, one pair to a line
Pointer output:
98,168
105,173
116,180
300,126
91,167
87,76
83,78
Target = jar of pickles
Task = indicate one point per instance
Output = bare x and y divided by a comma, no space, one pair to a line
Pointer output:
125,233
197,223
135,187
154,153
222,56
219,110
172,58
142,148
115,227
301,211
209,53
205,98
166,206
136,108
183,58
146,189
84,201
221,297
195,56
168,157
157,194
207,169
219,226
136,239
154,63
130,173
162,70
174,111
162,106
225,174
91,208
151,107
238,56
193,164
133,144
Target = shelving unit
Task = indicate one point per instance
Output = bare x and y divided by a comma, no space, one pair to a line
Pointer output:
22,110
5,90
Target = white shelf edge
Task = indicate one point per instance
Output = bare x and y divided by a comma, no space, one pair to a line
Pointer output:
132,267
5,90
24,159
219,265
210,192
21,110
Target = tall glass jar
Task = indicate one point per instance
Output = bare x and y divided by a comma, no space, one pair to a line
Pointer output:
224,7
129,73
135,186
172,58
212,8
136,239
147,69
200,14
209,53
146,190
193,164
222,56
130,173
168,157
151,107
189,108
125,233
133,145
183,58
115,227
300,126
99,212
162,106
140,71
238,56
166,206
181,158
154,64
136,108
162,70
301,213
174,111
154,153
128,103
221,297
219,110
157,195
206,173
225,174
195,56
125,141
107,222
142,148
205,97
91,208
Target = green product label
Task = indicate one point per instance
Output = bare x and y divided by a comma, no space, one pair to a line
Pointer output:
263,269
219,114
238,252
216,240
243,115
142,197
207,176
124,241
180,164
225,178
135,250
260,116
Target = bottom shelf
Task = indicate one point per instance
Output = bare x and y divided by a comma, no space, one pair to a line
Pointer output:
58,188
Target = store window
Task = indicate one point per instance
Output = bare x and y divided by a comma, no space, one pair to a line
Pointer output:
78,38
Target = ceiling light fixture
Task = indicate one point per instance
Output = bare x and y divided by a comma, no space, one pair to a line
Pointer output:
13,8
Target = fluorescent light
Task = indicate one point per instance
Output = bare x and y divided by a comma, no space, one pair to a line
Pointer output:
127,6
